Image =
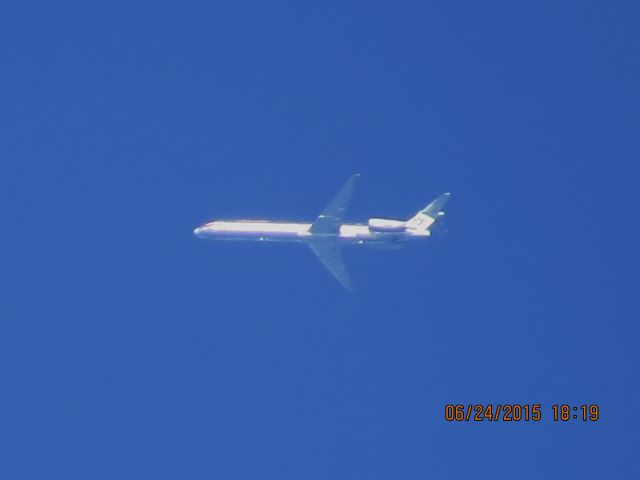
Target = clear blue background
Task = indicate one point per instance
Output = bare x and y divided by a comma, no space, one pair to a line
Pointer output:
131,349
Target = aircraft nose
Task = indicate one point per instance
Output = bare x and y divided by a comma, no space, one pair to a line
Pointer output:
197,230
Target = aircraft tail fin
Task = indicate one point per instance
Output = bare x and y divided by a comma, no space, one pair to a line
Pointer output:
422,220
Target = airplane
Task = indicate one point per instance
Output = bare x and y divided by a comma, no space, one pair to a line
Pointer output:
327,234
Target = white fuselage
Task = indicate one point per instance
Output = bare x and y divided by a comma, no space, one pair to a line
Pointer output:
295,232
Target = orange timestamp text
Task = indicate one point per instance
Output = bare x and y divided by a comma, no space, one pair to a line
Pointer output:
516,412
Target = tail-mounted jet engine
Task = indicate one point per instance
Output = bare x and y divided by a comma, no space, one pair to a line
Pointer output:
386,225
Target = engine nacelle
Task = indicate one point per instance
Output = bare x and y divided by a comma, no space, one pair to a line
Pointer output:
386,225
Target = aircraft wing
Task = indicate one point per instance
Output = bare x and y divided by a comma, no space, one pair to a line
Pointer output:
330,254
329,220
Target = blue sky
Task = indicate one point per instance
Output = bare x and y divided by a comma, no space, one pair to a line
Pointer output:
131,349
